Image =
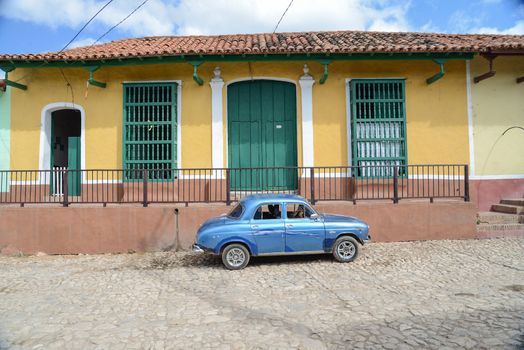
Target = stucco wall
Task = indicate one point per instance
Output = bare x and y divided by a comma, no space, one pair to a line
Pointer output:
498,104
437,124
124,228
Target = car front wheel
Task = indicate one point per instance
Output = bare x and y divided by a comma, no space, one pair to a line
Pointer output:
235,256
345,249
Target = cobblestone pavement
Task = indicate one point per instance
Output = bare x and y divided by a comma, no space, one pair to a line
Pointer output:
437,294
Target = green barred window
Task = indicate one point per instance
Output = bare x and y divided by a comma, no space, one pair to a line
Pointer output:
150,130
378,124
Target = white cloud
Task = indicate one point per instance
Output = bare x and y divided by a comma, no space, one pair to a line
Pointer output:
429,27
516,29
462,22
152,18
82,42
185,17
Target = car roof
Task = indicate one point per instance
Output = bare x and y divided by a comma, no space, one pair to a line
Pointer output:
254,199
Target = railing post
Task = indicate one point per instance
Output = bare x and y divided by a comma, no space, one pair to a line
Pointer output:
395,184
466,183
312,184
144,199
65,188
228,188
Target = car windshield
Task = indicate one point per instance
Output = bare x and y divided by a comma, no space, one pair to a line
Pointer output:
236,212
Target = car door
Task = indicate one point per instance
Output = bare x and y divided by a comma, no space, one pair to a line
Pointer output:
267,227
303,233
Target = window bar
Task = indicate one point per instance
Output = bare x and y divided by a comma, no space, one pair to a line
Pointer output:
23,193
449,182
453,168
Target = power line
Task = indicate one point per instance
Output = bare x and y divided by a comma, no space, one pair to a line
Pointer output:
119,23
116,25
68,84
85,25
280,20
70,41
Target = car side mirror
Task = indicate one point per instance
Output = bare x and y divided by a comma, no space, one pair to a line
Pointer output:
314,216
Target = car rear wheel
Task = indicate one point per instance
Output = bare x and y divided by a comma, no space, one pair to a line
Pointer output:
235,256
345,249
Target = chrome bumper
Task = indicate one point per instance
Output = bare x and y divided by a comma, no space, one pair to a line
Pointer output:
196,249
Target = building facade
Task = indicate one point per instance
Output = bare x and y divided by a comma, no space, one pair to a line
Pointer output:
496,130
376,102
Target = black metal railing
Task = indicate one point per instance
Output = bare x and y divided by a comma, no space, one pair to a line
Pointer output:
212,185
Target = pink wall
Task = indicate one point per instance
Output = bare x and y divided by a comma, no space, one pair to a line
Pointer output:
485,193
72,230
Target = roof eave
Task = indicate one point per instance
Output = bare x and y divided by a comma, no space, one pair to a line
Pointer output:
9,64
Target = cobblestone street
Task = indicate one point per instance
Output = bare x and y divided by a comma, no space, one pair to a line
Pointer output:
437,294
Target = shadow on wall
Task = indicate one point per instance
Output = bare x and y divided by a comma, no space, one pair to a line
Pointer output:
488,157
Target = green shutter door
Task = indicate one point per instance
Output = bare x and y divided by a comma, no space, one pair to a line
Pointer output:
73,165
378,125
150,130
262,133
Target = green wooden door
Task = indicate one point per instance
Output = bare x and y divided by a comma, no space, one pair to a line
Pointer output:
262,133
73,166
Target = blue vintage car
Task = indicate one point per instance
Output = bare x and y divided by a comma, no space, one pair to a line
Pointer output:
279,224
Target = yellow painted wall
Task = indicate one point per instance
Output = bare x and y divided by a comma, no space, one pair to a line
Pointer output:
103,108
436,114
498,104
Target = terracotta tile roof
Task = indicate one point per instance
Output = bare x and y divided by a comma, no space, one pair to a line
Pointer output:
286,43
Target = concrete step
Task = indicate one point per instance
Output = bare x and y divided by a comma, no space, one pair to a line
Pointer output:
500,230
489,217
513,201
507,208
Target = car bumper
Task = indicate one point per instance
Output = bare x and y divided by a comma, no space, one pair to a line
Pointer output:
195,248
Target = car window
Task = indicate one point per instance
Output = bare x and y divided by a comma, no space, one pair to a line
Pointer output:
236,212
268,212
298,211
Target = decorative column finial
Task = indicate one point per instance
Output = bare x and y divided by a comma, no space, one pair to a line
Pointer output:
217,73
306,75
306,69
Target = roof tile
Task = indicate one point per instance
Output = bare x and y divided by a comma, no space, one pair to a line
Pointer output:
297,43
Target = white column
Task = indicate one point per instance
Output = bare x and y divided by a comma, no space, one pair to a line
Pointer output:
471,130
217,136
306,87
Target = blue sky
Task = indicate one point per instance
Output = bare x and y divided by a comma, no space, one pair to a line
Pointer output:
29,26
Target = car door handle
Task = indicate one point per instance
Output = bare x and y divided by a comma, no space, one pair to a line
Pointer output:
254,226
289,225
260,233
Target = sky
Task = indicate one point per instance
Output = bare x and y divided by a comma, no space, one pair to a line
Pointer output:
32,26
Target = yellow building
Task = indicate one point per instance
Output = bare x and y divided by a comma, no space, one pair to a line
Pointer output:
497,128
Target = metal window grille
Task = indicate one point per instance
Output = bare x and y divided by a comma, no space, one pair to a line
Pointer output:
378,118
150,130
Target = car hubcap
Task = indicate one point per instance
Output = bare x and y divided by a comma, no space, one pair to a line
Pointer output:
235,257
346,250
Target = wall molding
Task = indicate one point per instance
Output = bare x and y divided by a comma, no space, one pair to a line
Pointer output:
497,177
306,82
44,159
471,133
217,120
348,122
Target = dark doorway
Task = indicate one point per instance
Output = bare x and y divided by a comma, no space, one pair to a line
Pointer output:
65,150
